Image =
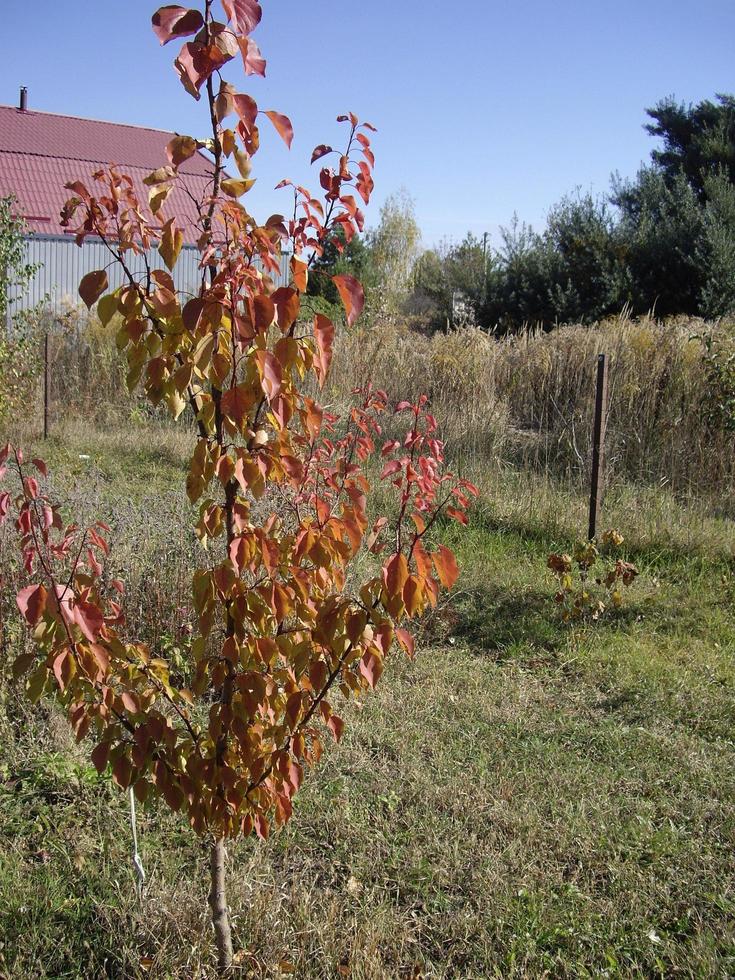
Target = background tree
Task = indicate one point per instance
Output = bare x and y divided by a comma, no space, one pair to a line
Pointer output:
662,241
339,257
716,253
451,276
661,230
699,140
394,248
20,351
15,272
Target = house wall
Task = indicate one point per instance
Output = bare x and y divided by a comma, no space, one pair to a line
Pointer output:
62,263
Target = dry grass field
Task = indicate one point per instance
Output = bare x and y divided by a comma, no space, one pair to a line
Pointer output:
524,799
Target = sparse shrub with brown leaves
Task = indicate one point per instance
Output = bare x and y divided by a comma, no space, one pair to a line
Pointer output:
591,578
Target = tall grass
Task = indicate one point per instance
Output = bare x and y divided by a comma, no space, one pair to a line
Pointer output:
525,400
528,400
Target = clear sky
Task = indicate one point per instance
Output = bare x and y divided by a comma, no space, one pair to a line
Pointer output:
484,108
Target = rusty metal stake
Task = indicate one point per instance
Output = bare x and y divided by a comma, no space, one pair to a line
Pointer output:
598,446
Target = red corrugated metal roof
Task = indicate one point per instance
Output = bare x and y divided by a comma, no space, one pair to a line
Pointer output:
41,151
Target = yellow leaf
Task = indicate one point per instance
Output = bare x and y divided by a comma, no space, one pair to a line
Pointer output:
172,239
236,188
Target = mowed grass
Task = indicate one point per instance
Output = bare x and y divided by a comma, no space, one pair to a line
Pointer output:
524,799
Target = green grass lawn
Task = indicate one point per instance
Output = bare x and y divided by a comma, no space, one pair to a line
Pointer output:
525,799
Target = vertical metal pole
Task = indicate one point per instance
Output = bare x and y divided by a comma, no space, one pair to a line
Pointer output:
598,445
45,385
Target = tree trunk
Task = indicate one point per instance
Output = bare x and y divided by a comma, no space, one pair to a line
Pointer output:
218,904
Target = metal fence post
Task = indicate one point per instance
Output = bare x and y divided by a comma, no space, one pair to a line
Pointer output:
45,385
598,445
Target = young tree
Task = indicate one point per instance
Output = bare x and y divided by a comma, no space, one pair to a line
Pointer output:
284,624
394,246
20,360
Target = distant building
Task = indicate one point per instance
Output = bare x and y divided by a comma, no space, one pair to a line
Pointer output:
41,151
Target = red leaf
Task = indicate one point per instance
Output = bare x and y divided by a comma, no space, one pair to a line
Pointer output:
320,151
40,466
31,602
352,295
100,755
88,618
236,403
336,727
92,286
195,63
283,126
287,304
406,641
261,826
247,109
390,468
264,313
130,702
4,506
371,667
244,14
31,487
172,21
252,59
62,669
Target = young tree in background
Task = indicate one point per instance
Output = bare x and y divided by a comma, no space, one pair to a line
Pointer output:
394,248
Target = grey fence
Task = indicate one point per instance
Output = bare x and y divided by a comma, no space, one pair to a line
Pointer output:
61,263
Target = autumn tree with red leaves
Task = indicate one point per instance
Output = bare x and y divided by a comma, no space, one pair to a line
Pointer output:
281,484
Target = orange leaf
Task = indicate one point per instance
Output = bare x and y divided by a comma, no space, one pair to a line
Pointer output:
236,403
300,273
179,149
412,595
271,378
395,574
283,126
324,336
287,304
446,566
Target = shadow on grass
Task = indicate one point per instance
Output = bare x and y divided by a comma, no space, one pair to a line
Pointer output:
523,626
656,554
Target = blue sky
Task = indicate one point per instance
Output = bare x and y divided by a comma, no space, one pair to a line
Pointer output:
483,108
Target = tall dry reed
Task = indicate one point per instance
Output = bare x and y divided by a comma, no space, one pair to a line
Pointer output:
525,400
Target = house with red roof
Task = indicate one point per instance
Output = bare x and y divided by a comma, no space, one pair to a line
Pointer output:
40,152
